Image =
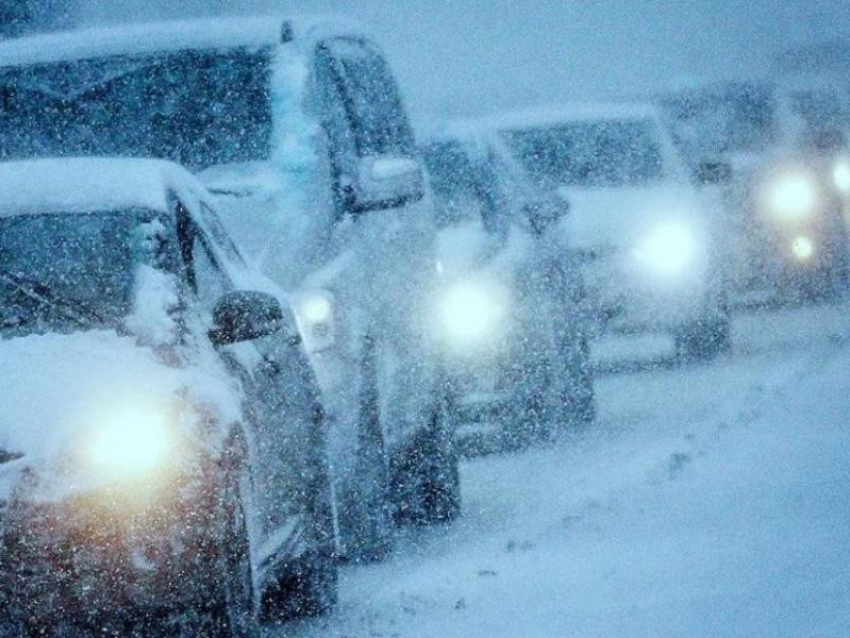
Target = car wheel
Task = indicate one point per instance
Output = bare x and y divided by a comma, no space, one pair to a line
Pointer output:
578,395
365,510
309,588
231,603
309,584
426,476
236,615
705,339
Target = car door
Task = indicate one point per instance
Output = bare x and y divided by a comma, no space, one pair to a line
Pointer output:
281,409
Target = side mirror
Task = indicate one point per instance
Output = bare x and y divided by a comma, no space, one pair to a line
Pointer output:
543,213
714,172
386,181
243,316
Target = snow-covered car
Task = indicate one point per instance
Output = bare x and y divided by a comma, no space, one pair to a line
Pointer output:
298,128
162,448
512,314
651,236
784,160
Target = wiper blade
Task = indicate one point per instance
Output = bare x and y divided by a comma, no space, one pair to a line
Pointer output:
72,309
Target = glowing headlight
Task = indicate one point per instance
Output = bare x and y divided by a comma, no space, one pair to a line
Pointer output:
668,250
794,197
315,315
316,309
841,176
131,442
472,312
803,248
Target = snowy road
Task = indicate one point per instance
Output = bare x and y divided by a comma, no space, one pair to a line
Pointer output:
709,501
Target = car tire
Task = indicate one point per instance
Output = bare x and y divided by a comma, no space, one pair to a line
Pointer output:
579,397
309,586
704,340
365,509
236,617
426,475
231,604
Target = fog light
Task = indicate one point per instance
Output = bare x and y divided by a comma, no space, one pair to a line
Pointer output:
803,248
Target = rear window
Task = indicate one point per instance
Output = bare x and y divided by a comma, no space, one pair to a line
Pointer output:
198,108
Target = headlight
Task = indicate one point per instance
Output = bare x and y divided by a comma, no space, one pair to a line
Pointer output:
793,197
668,251
315,314
803,248
841,176
316,309
132,442
472,313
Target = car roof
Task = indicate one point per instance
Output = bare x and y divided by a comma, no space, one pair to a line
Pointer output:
84,185
552,115
171,35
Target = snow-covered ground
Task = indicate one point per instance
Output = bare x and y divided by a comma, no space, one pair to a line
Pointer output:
711,500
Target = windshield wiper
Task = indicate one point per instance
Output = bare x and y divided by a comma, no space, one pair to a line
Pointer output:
72,309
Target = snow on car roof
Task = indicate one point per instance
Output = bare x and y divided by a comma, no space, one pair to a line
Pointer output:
172,35
80,185
549,116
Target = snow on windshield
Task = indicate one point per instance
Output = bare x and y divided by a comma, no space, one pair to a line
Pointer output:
63,270
198,108
590,154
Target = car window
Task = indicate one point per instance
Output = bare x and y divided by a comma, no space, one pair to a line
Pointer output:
600,153
371,97
220,235
198,108
78,270
201,269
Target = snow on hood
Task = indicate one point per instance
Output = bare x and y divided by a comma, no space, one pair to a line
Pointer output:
605,218
56,185
56,387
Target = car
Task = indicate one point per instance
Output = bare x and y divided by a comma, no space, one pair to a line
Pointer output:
784,160
513,316
653,260
298,128
163,449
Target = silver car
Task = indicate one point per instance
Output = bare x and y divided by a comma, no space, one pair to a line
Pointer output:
162,447
512,316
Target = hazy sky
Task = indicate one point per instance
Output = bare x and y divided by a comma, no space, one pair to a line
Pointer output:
475,56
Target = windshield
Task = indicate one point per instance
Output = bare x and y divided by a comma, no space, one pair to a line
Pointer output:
592,154
817,108
739,118
69,271
198,108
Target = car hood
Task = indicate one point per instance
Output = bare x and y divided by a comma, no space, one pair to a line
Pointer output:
602,219
56,388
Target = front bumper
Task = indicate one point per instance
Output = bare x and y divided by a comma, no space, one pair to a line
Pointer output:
81,561
626,299
769,269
